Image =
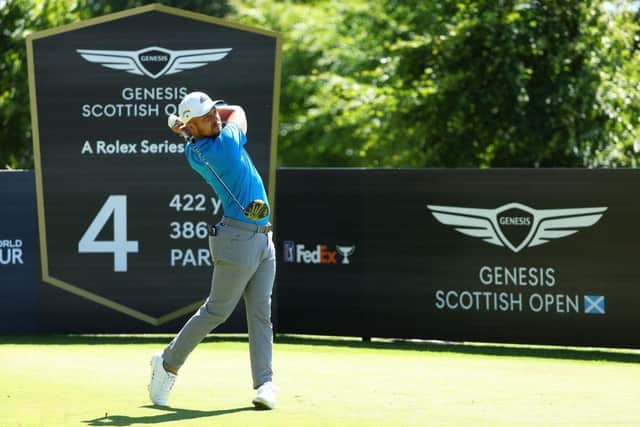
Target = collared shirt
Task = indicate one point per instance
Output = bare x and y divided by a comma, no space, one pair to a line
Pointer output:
227,156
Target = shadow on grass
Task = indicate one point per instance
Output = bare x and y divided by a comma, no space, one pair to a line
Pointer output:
170,414
161,339
507,350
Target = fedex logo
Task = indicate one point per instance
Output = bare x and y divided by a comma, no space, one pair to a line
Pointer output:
298,253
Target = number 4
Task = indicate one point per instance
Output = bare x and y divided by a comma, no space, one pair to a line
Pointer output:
119,246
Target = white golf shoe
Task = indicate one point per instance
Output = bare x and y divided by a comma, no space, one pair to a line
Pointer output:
265,396
161,382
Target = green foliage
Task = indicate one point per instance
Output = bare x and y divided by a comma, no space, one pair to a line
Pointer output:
91,8
17,19
519,84
459,83
327,91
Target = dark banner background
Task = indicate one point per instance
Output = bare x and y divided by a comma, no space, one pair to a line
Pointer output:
401,258
19,258
404,256
167,203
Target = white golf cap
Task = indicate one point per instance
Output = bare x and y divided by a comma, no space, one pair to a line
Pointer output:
194,104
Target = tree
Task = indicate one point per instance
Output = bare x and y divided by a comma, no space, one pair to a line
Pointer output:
518,83
17,19
462,83
327,91
218,8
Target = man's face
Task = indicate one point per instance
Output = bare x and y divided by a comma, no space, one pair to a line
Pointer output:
209,124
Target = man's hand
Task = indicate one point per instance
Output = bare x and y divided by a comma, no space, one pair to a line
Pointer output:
176,125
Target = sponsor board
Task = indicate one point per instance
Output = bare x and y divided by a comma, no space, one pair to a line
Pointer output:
500,255
118,205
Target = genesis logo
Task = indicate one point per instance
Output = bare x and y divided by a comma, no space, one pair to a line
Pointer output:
517,226
154,61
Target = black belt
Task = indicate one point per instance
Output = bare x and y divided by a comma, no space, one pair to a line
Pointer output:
246,225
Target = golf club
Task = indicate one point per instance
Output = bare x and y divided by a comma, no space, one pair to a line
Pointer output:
256,210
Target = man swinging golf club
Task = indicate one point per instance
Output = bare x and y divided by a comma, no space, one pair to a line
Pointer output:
241,245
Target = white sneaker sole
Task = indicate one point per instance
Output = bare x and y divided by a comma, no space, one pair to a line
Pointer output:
262,404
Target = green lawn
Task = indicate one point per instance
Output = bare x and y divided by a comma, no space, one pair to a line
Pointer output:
101,381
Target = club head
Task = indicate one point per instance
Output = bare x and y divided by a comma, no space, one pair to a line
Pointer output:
257,210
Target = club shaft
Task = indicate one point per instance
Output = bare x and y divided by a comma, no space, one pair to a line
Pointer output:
171,121
206,162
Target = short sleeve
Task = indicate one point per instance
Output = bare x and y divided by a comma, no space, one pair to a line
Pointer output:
233,132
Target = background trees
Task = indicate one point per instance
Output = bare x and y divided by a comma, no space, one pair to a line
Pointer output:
409,83
17,19
457,83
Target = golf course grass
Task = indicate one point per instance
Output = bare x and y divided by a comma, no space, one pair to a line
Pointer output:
101,381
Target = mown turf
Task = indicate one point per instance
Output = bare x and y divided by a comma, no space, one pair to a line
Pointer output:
101,381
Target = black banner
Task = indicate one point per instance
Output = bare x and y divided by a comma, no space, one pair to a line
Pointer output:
521,256
538,256
123,219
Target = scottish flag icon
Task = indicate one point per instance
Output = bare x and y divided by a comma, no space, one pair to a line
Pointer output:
594,304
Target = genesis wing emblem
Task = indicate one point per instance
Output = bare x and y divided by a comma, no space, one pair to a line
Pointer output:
548,224
129,60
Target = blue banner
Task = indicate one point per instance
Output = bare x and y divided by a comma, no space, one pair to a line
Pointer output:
19,256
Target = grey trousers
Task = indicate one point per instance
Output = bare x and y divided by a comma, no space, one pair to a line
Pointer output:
244,266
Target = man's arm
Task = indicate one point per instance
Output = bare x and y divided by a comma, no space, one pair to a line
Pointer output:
233,114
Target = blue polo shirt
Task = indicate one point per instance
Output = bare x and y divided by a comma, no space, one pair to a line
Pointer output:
227,156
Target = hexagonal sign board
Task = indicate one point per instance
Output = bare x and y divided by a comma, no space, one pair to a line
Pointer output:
123,219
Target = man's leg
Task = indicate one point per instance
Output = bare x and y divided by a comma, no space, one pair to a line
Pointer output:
227,286
257,298
233,268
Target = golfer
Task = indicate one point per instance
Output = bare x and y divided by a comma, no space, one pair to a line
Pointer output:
241,245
